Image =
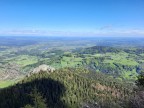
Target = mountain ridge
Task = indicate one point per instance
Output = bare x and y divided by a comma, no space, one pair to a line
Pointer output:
72,89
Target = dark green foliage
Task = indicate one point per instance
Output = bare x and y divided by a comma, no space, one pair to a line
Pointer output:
99,49
65,88
39,102
28,106
137,99
140,80
24,93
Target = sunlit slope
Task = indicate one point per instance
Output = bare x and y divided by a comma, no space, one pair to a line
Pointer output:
69,88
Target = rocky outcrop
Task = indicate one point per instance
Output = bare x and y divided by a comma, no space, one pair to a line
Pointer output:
42,68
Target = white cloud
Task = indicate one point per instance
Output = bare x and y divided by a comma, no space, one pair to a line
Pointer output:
105,31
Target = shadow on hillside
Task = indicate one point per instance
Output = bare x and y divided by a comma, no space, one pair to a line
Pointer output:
18,95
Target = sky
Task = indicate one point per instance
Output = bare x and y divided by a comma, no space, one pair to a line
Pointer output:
72,18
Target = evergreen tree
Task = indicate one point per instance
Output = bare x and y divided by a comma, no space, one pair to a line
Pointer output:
28,106
39,102
140,81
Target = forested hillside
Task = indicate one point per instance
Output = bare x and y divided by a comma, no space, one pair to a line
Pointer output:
67,88
71,53
79,74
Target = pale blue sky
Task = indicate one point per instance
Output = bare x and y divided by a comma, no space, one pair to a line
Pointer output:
72,17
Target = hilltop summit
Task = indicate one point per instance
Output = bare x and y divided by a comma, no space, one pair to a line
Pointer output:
42,68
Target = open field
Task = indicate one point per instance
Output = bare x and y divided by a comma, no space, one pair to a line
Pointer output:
107,57
7,83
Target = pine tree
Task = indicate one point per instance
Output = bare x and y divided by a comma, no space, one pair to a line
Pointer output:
28,106
140,81
39,102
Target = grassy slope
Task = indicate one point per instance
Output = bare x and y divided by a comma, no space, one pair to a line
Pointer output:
6,83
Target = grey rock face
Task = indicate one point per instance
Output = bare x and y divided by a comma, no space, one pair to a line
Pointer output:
42,68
